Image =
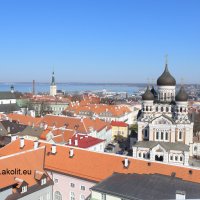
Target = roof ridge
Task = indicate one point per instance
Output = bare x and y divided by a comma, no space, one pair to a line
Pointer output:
19,153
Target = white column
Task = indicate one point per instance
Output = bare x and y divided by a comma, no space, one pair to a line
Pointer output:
186,158
135,152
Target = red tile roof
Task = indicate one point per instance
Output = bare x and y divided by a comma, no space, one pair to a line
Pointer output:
98,166
31,160
81,125
85,141
120,124
24,119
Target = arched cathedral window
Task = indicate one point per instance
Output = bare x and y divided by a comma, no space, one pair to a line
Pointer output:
157,135
162,134
166,136
180,135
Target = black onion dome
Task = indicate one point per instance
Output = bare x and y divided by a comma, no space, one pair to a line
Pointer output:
148,96
166,79
153,91
181,95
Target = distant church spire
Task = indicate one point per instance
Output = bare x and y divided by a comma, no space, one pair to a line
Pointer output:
53,88
53,79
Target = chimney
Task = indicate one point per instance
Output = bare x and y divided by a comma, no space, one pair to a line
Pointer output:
13,137
53,149
8,129
33,87
21,143
76,142
180,194
45,126
71,153
70,141
126,163
36,143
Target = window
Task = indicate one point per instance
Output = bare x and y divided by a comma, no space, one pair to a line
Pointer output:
139,154
72,196
143,155
166,136
55,180
181,158
167,109
24,189
43,181
82,197
161,109
180,135
162,135
72,185
156,109
176,158
82,187
157,135
41,198
48,196
195,148
103,196
171,157
57,196
146,133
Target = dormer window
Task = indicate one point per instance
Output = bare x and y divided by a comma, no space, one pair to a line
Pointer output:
24,189
43,181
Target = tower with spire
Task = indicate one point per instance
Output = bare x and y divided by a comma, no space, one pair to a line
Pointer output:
53,87
165,132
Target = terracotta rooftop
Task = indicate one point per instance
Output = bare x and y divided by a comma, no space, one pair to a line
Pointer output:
24,119
120,124
30,160
114,110
83,125
96,166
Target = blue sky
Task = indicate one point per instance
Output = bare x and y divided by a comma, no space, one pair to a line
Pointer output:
99,40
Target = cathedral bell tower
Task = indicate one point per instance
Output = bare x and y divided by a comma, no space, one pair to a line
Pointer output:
53,87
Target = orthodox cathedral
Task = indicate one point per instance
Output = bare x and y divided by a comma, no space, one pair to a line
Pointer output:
165,133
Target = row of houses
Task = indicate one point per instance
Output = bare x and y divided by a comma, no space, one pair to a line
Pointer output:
62,172
93,134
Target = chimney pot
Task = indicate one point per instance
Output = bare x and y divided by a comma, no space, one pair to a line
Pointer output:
71,153
36,143
76,142
53,149
70,141
21,142
126,163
